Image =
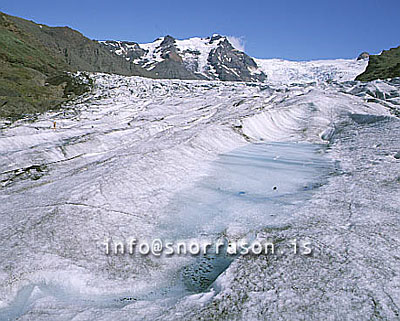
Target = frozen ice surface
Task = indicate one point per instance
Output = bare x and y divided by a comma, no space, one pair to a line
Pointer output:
125,157
247,189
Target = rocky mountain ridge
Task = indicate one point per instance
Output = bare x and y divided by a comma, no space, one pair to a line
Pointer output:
211,58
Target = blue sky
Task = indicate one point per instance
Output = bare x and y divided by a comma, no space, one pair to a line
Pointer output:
296,30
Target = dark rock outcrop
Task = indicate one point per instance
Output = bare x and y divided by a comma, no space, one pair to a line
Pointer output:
130,49
363,55
383,66
233,65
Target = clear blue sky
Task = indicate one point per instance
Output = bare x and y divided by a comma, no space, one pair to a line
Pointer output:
290,29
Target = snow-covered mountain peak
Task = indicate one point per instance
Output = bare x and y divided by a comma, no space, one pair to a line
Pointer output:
212,58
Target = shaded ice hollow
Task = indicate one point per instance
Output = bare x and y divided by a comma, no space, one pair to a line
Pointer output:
125,158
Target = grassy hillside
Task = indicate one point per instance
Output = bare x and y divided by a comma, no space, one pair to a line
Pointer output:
385,65
34,59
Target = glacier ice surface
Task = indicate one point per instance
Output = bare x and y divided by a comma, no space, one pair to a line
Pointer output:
135,150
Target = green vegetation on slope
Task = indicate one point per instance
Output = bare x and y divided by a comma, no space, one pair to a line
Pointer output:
383,66
35,59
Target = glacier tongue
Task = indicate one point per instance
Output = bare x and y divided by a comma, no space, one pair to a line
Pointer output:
283,72
117,158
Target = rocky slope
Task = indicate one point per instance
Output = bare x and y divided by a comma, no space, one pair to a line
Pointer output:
196,58
383,66
30,53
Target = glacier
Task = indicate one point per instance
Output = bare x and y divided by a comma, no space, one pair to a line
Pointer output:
152,158
282,72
